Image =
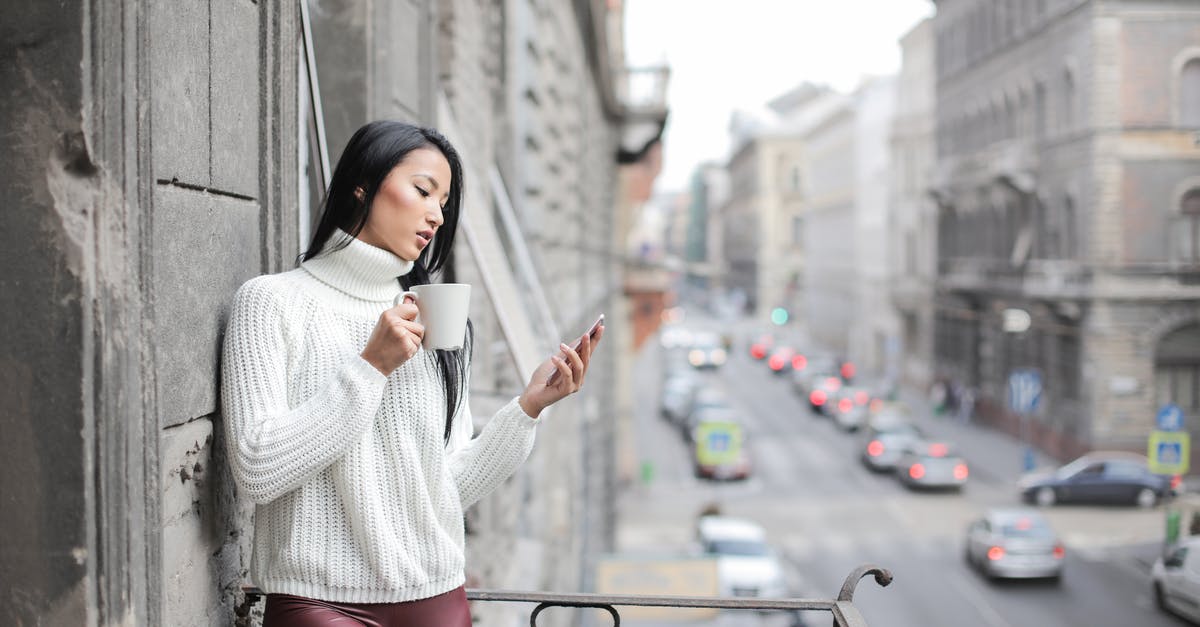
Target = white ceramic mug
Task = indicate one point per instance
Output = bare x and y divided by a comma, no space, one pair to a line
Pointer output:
443,310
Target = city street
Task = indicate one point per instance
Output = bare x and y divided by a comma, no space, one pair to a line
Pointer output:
826,514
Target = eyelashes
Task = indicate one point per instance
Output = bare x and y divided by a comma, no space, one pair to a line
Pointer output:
425,194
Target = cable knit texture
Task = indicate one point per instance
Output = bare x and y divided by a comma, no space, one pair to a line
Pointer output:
359,498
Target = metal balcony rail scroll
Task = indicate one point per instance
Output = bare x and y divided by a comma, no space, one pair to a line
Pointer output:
845,614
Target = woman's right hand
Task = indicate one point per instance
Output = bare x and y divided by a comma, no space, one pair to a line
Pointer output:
395,339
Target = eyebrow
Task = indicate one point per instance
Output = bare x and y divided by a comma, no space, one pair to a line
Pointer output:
432,181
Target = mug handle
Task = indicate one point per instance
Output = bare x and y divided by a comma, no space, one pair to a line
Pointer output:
400,298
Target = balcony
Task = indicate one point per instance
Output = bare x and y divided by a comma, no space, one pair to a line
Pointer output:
844,613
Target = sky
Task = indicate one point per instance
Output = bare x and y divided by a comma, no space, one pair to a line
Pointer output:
731,54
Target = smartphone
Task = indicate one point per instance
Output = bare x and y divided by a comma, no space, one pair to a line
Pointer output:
596,326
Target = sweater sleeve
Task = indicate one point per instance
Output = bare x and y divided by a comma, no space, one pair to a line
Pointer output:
274,447
480,464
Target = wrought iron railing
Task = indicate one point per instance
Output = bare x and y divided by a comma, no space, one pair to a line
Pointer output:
845,614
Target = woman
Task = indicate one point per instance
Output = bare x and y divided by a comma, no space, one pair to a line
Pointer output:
354,442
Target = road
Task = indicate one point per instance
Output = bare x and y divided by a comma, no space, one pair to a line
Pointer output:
828,515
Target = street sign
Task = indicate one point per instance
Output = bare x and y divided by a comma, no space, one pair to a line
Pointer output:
622,575
718,442
1024,390
1168,452
1169,418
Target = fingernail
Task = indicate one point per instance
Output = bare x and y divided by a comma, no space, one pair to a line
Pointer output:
564,346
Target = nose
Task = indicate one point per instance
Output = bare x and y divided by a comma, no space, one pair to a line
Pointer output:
435,217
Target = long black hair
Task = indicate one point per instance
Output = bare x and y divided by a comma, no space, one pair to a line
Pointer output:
369,157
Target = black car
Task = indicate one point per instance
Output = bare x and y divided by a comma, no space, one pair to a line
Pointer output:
1099,478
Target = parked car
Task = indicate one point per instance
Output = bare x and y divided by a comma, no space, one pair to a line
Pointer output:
932,465
1015,543
719,447
1102,477
1175,579
676,395
850,407
747,566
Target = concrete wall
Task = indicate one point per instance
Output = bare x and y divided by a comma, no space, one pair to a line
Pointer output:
45,234
147,185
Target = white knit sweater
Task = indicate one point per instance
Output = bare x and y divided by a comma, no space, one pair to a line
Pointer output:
359,499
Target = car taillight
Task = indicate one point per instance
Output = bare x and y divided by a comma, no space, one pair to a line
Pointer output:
960,472
817,398
845,405
875,448
1059,551
833,383
799,362
916,471
937,449
995,553
776,363
1175,481
758,351
861,397
848,370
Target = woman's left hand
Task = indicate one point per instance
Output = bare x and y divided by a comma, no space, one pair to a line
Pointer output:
571,366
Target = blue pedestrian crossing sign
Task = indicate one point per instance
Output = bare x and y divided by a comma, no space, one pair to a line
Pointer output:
1169,418
1168,452
1024,390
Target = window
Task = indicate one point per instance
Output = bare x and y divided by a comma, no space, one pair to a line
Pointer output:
1187,229
1039,105
794,179
797,231
1067,229
1189,94
1177,370
1066,116
1123,470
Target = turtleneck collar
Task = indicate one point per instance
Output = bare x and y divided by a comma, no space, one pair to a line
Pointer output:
358,268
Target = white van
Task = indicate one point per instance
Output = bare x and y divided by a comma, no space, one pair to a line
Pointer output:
747,566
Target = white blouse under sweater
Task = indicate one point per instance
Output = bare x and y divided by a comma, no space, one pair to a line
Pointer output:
359,498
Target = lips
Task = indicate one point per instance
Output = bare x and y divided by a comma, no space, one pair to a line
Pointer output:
424,237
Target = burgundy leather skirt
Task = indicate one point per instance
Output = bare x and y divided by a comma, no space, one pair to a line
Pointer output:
449,609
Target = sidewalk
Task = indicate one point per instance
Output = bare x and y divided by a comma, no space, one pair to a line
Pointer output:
994,455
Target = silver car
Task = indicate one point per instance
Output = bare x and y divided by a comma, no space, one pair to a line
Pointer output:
1015,543
885,439
850,407
932,465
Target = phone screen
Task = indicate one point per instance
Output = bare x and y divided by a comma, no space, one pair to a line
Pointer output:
596,326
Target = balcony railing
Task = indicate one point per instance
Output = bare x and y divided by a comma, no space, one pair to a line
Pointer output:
845,614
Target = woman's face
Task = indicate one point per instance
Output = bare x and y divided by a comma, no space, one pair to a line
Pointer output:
407,210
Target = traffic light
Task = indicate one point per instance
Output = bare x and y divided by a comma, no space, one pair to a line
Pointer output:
779,316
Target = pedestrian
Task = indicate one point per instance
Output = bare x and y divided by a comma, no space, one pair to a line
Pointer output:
966,405
937,396
355,443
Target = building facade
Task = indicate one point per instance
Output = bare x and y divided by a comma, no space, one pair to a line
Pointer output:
875,335
164,155
830,273
912,218
1066,184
